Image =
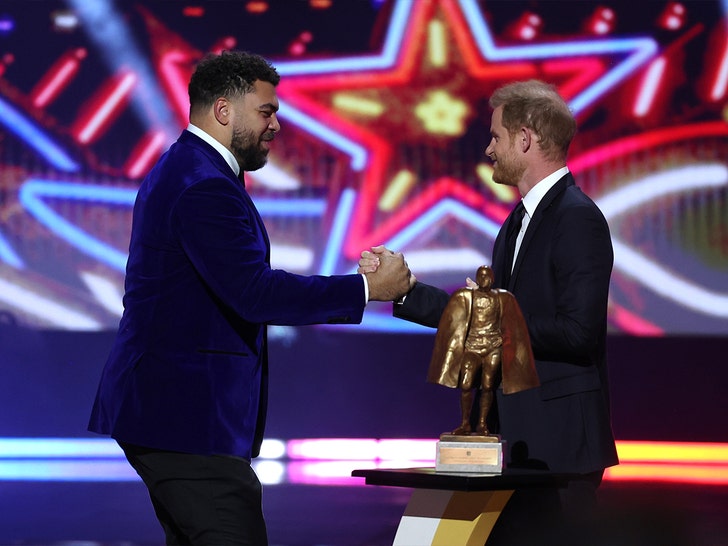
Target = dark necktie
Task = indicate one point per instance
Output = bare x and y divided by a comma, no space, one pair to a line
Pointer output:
512,235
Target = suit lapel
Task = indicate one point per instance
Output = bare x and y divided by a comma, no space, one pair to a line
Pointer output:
261,225
513,226
215,157
501,268
539,214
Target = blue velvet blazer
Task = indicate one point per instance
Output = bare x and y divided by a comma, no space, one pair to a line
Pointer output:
188,369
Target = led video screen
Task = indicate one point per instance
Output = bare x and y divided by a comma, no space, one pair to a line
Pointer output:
385,119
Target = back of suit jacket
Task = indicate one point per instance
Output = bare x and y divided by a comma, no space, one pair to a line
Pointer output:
188,369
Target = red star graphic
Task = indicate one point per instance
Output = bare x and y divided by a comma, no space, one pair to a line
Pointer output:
438,54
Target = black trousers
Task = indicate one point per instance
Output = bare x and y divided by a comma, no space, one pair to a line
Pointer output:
551,516
202,500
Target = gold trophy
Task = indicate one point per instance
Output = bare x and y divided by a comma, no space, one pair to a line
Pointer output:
481,337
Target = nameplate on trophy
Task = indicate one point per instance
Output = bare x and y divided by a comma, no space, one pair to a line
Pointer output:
480,456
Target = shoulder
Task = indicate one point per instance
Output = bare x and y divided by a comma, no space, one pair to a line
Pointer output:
575,204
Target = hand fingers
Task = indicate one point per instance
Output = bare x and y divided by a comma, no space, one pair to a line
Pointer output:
381,249
370,264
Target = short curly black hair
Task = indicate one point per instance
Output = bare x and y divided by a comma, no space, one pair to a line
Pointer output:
228,74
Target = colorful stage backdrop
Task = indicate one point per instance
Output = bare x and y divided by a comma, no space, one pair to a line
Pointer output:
384,124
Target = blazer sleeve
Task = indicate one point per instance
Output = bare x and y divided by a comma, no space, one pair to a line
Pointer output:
224,238
423,305
581,266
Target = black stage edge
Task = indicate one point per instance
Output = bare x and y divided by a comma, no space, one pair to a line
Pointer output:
428,478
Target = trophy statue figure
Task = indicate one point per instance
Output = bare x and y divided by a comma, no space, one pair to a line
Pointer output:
481,335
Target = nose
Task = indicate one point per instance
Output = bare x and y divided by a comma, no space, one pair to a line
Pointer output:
489,150
273,124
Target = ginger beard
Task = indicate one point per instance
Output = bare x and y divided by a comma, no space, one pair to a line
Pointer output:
507,169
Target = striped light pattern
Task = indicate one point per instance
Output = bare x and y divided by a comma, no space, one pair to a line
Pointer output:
331,460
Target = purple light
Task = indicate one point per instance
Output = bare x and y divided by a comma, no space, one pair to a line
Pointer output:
7,24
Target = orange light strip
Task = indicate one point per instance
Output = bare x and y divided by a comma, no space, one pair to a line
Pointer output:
675,462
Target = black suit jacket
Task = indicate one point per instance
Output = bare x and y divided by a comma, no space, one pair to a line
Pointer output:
561,282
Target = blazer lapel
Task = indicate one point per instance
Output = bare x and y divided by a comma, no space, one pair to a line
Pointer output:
501,268
261,225
193,140
538,216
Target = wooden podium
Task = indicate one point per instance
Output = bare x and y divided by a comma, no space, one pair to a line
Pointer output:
455,509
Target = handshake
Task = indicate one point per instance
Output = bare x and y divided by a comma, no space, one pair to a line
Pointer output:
387,273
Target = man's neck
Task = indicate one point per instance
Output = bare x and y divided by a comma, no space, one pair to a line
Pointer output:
536,174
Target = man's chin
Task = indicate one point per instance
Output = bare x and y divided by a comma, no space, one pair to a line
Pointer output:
255,166
503,181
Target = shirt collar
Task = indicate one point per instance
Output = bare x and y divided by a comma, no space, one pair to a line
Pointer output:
535,194
226,154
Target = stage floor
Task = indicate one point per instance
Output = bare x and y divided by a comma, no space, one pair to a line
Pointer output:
67,513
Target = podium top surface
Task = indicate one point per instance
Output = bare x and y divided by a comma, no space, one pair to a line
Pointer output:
428,478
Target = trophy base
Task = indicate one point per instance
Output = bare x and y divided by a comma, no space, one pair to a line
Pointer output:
477,454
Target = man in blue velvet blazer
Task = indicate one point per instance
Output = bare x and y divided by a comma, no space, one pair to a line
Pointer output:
184,389
560,278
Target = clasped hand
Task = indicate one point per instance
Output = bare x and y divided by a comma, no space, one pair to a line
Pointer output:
370,260
387,272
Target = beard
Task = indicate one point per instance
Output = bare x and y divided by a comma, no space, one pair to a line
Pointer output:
247,150
507,171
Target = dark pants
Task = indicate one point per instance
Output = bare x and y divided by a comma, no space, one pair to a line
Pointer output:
579,497
550,516
202,500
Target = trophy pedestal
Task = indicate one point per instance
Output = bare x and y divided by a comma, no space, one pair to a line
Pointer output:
469,453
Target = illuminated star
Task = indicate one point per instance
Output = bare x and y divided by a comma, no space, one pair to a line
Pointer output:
396,113
442,114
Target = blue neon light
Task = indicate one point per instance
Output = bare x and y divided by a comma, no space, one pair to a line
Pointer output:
30,197
87,470
387,58
357,152
641,49
8,254
33,191
291,207
442,209
34,137
338,231
385,322
76,448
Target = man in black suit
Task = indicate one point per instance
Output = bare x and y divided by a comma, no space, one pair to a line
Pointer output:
557,262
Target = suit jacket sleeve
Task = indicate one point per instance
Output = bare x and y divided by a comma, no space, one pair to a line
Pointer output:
423,305
220,230
581,265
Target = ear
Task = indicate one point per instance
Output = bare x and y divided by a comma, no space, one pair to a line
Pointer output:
524,139
222,110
